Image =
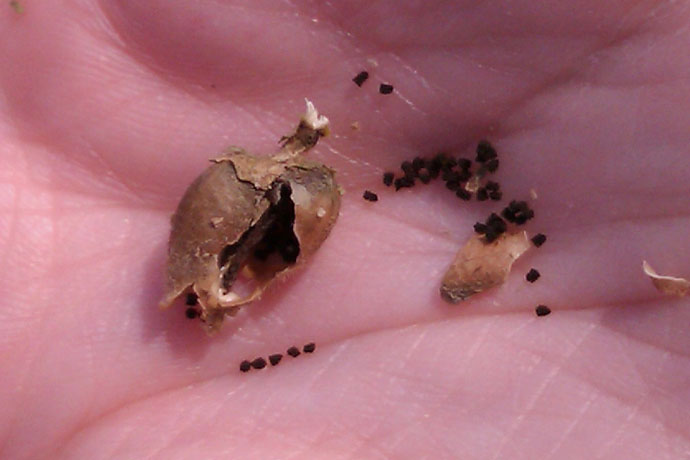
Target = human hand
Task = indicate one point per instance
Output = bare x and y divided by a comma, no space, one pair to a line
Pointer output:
109,110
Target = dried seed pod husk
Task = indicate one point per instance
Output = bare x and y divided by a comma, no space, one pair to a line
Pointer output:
249,220
668,285
479,265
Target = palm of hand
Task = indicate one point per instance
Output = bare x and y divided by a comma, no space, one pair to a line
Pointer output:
109,110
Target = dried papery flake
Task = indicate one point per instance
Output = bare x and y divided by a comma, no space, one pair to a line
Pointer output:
479,266
669,285
250,218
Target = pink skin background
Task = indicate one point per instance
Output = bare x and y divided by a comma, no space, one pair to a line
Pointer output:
109,109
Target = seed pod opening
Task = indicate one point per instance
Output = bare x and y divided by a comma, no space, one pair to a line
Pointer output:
248,220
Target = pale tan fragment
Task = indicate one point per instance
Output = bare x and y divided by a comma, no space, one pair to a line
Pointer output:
533,194
479,266
669,285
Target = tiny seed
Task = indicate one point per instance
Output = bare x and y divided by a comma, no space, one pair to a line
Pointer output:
492,165
539,239
361,77
388,179
191,313
293,351
542,310
482,194
259,363
385,88
370,196
309,348
463,194
485,152
275,359
191,299
245,366
532,275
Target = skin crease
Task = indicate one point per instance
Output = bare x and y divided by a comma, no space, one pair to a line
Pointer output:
108,110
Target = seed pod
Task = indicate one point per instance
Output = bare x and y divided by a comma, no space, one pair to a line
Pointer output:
248,220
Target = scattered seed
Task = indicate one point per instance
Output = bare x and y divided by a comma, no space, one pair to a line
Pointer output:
542,310
492,186
532,275
259,363
424,176
370,196
191,299
669,285
293,351
309,348
361,77
191,313
385,88
403,182
388,179
463,194
482,194
275,359
485,152
538,239
417,163
245,366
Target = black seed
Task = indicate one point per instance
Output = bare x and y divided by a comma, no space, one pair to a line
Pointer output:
492,186
259,363
370,196
496,195
403,182
309,348
191,313
424,176
480,228
538,239
542,310
407,168
492,165
463,194
417,163
191,299
491,236
388,179
485,152
482,194
245,366
361,77
385,88
275,359
464,163
496,224
293,351
532,275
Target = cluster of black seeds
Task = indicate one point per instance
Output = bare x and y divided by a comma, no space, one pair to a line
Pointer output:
517,212
454,172
260,363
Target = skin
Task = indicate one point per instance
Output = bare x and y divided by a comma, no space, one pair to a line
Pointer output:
108,110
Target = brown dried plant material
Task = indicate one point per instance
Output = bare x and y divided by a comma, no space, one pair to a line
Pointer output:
249,220
479,266
669,285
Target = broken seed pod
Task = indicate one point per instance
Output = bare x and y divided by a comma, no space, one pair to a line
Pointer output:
666,284
479,266
248,220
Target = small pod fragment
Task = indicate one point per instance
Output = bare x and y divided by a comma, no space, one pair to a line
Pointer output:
479,265
248,220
